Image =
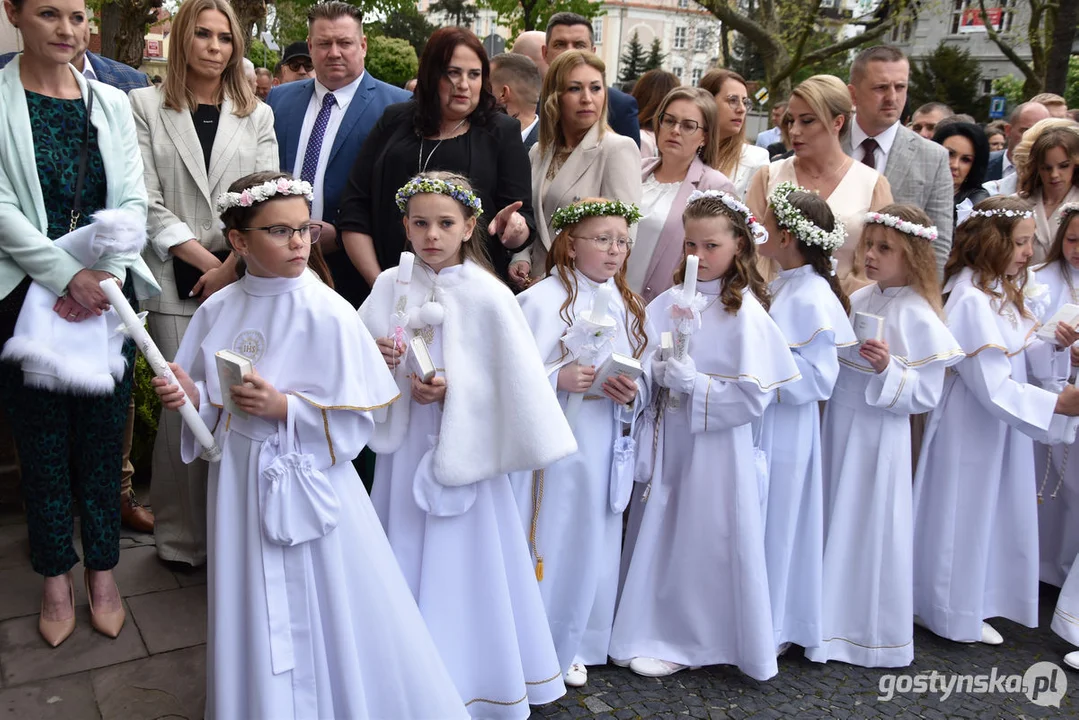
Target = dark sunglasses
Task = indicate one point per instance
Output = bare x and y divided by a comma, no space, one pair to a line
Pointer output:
297,65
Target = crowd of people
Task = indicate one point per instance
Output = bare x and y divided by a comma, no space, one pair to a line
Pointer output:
629,388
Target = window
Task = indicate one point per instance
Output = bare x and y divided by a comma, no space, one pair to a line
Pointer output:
965,15
701,40
683,3
677,70
680,34
696,77
987,86
597,30
902,32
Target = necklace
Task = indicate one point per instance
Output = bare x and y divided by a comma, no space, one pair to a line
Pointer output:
421,166
880,310
828,174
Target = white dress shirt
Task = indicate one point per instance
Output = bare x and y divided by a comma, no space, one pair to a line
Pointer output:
526,130
1006,164
884,144
88,69
343,96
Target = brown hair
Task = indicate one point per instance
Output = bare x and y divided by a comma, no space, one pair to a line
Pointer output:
881,53
729,153
334,10
1050,137
234,84
704,101
814,209
561,264
743,271
239,217
984,244
551,136
1056,249
649,92
437,54
473,248
918,257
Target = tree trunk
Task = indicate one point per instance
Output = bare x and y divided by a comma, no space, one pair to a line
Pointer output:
123,29
725,45
1056,75
249,13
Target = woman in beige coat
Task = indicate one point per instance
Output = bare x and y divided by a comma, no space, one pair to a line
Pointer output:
202,130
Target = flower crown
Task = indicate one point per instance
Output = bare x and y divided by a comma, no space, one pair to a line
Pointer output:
791,218
1068,209
903,226
263,192
576,212
1002,212
423,185
760,235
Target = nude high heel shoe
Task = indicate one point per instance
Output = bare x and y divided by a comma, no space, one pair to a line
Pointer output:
110,623
56,631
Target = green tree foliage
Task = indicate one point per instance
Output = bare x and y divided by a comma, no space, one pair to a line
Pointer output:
948,75
1071,89
147,412
391,60
1011,88
655,56
262,56
290,16
521,15
408,25
634,60
461,12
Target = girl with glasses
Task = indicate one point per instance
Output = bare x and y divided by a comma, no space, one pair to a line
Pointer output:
736,158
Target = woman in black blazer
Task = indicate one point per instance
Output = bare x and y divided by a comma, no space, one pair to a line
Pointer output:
451,124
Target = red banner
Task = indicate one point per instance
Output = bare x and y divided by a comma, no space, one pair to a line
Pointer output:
973,22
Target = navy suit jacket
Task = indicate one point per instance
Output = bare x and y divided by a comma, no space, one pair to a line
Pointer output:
289,103
995,170
110,72
532,138
622,114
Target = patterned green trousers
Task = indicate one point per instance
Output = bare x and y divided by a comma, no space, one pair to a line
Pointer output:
70,448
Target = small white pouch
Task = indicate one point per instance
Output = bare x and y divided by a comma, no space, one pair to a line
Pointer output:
623,465
433,497
299,502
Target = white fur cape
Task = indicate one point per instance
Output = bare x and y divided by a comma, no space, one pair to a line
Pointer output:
84,357
500,414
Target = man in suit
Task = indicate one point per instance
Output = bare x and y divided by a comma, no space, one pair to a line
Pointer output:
916,168
321,123
570,31
120,76
925,119
1021,119
516,82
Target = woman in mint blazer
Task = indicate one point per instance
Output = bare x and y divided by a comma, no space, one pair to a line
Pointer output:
69,444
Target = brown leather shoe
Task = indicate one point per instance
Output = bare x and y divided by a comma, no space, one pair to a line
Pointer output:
135,516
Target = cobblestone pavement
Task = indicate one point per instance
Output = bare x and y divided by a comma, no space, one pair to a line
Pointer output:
804,689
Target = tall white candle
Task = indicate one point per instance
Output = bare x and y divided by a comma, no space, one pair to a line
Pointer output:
157,363
600,302
689,285
404,267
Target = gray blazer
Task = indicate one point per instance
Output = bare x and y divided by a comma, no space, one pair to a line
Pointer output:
918,172
181,191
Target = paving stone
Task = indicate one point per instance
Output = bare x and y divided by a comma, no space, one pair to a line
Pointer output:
140,572
67,698
171,685
25,657
191,578
171,619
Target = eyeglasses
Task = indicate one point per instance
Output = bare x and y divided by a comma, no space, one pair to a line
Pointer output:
733,101
281,235
670,122
297,65
604,242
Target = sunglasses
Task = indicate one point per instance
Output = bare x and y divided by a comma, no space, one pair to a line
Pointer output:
297,64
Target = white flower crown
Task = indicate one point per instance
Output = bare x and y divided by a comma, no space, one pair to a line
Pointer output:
1067,209
760,235
791,218
261,193
903,226
1001,212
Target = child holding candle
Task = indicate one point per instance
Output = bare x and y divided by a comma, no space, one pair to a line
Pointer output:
573,508
811,309
865,439
975,494
442,487
696,590
308,613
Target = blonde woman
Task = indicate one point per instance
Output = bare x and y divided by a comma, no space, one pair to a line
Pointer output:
577,156
202,130
1045,161
817,117
737,159
688,142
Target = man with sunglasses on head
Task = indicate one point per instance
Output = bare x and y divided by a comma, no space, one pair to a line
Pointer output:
322,121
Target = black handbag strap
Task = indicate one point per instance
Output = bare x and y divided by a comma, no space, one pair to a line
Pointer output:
76,206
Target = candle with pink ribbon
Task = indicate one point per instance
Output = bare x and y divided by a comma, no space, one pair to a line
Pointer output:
399,317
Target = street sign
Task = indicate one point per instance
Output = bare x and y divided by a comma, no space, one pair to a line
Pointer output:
996,107
494,44
761,95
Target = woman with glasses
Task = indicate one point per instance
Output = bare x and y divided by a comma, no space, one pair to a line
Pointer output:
688,142
201,131
735,158
577,156
818,116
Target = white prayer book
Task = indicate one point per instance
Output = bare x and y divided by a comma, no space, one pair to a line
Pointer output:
419,359
868,326
231,368
616,364
1068,314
